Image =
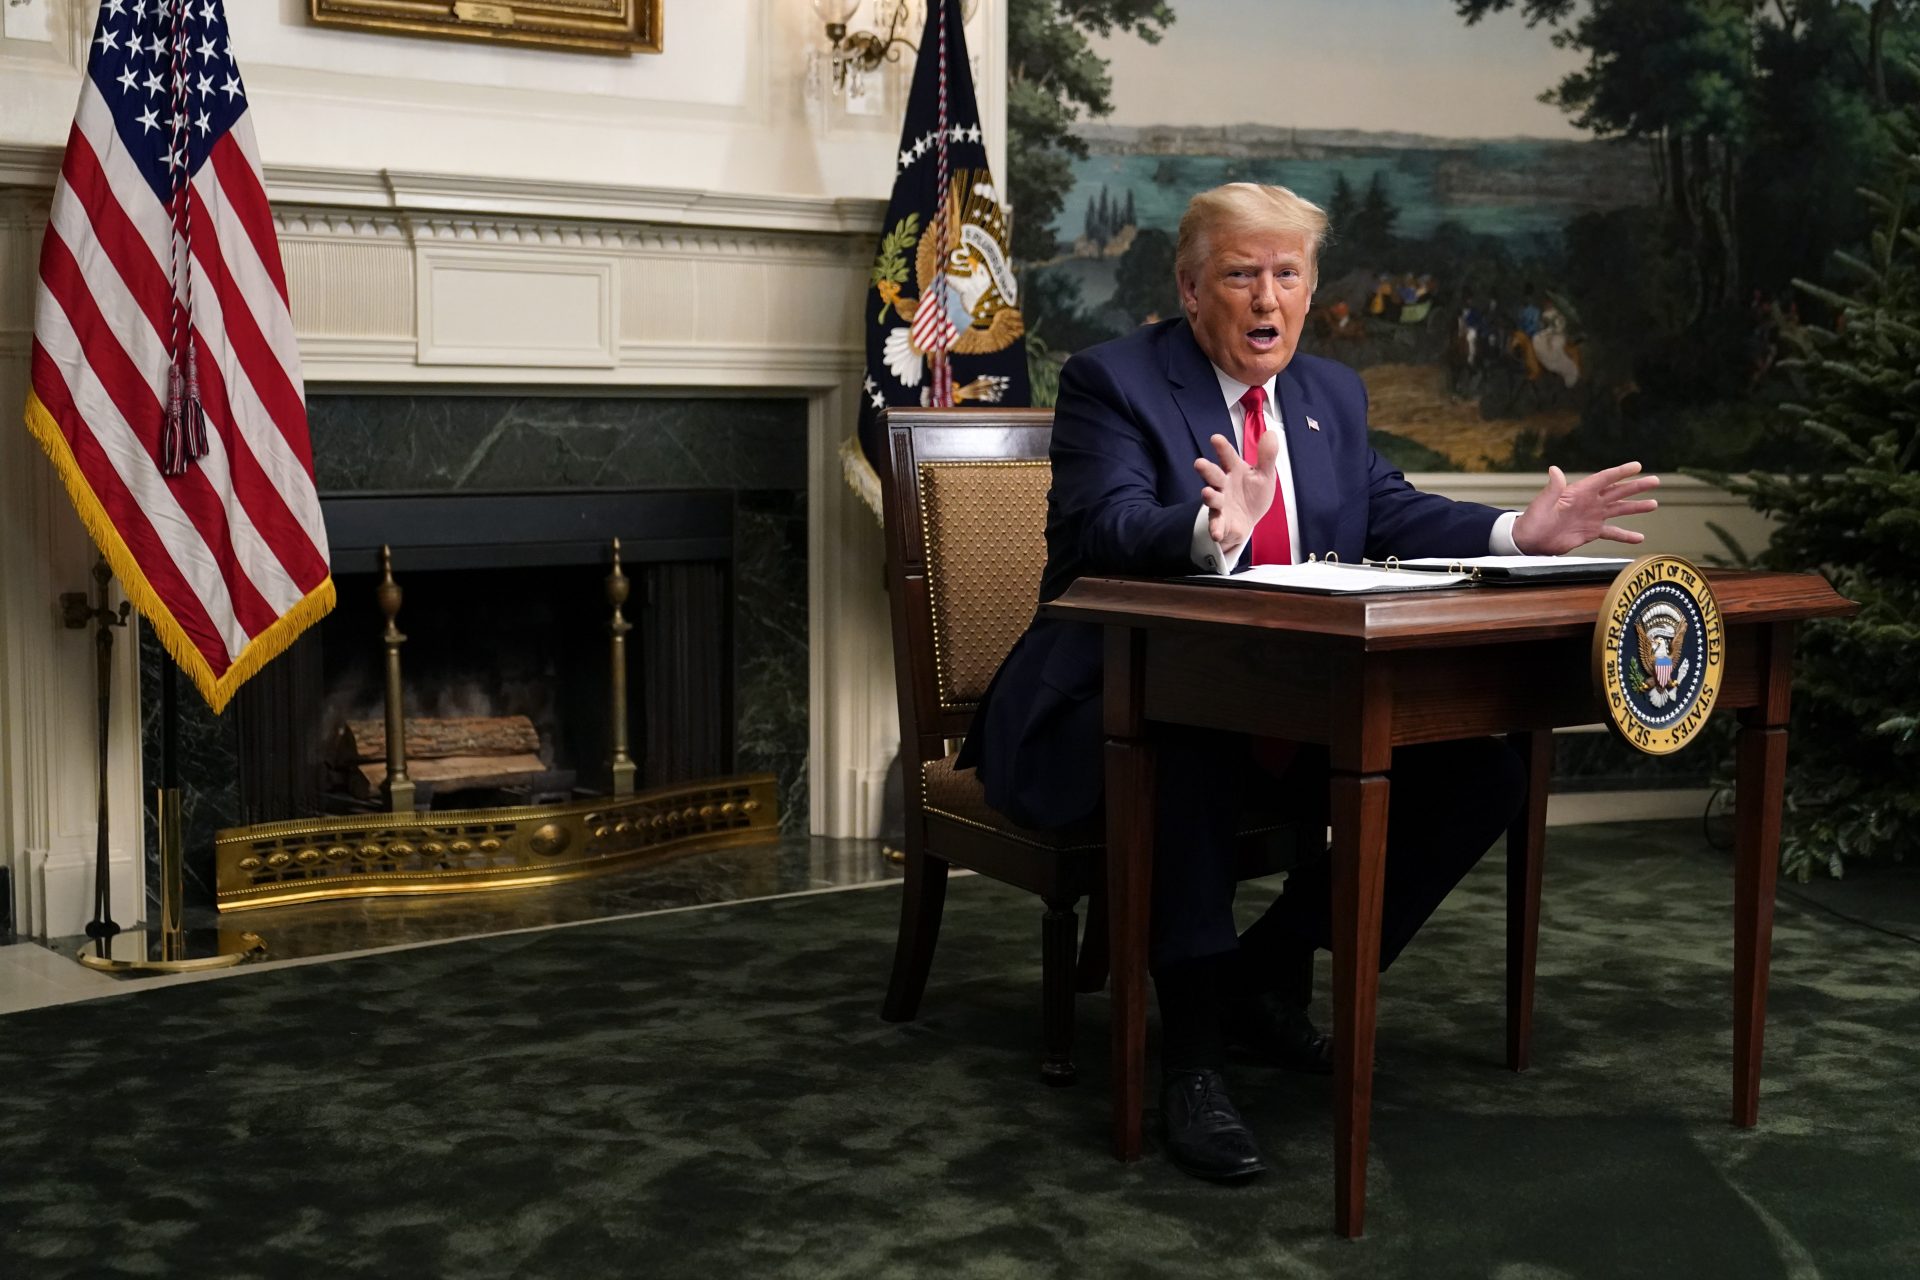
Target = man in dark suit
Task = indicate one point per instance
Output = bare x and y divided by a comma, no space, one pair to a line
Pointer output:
1291,475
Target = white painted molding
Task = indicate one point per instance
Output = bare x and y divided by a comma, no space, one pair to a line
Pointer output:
607,202
64,898
28,166
851,720
345,192
515,308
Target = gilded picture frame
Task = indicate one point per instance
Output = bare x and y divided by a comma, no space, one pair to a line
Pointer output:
587,26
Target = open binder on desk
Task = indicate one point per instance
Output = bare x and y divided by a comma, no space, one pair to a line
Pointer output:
1333,578
1515,570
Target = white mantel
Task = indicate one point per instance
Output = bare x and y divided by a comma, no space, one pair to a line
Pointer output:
672,223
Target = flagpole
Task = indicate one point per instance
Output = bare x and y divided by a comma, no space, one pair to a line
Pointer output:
80,610
171,947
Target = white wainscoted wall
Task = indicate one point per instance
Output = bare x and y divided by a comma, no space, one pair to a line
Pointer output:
454,215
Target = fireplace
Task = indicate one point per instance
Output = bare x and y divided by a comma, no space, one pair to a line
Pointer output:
500,511
506,614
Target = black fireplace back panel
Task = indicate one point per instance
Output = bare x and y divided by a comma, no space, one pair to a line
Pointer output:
465,530
461,558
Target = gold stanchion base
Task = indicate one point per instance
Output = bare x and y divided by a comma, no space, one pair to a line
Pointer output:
892,854
187,951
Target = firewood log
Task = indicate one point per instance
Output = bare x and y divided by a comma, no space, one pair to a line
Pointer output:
429,738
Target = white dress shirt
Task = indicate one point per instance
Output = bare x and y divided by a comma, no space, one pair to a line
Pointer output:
1212,557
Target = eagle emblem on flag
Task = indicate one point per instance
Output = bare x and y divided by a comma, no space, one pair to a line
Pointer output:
975,311
943,305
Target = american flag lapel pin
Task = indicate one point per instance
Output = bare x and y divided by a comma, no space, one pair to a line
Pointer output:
1312,425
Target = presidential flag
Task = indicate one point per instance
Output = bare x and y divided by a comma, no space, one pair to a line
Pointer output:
943,308
165,380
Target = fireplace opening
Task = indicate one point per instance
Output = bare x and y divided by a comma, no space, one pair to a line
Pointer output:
507,656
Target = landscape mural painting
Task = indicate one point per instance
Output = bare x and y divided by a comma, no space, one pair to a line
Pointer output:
1563,230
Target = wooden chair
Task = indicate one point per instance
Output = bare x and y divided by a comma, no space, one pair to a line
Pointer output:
965,498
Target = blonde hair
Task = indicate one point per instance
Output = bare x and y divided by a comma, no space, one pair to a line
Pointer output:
1246,206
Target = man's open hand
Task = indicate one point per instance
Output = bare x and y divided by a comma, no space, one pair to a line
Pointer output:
1563,516
1237,495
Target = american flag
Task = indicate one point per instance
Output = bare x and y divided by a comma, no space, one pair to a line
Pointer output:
165,380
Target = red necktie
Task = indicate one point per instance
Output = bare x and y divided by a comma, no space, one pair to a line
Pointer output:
1270,543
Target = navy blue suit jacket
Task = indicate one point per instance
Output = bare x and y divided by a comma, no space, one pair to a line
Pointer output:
1131,417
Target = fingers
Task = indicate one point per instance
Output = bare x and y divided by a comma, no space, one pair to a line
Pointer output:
1614,533
1556,479
1269,452
1209,474
1212,499
1617,509
1619,488
1627,488
1229,456
1620,472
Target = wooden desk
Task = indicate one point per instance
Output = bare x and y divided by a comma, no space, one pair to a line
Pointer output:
1364,674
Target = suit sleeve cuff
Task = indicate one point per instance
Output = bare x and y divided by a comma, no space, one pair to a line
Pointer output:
1501,542
1209,555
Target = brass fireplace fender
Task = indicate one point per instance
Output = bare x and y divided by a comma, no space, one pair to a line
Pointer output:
481,850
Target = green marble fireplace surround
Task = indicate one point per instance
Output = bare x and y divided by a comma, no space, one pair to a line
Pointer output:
742,458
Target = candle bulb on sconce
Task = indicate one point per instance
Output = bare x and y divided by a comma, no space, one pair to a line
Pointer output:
843,68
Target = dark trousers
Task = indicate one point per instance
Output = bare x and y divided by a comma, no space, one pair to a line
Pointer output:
1448,803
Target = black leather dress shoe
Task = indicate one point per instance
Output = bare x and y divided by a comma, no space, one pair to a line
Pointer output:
1279,1034
1205,1135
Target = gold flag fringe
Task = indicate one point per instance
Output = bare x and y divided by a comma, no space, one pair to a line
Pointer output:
859,473
262,649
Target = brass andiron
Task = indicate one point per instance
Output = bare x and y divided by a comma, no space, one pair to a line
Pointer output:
398,786
620,767
79,612
407,852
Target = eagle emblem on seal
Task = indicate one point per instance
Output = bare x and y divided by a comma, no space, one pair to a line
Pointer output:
968,303
1661,632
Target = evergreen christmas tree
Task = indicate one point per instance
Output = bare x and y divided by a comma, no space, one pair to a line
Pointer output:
1851,510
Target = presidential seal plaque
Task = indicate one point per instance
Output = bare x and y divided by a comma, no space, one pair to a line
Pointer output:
1658,653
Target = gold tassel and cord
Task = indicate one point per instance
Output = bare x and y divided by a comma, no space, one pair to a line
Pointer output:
218,690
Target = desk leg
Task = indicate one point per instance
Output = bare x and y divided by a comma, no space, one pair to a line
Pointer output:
1130,813
1760,775
1761,771
1526,846
1359,862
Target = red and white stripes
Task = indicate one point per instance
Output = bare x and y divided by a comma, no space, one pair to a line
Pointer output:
227,556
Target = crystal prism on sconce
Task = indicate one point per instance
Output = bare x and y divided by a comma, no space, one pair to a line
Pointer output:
846,68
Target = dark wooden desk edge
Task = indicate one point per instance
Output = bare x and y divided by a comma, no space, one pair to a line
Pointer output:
1420,619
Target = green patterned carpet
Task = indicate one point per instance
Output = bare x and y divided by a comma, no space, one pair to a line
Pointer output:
712,1093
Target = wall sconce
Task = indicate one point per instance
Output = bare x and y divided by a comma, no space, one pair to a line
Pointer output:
842,70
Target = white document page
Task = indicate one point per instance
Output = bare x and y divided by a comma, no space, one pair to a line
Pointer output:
1514,562
1322,578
